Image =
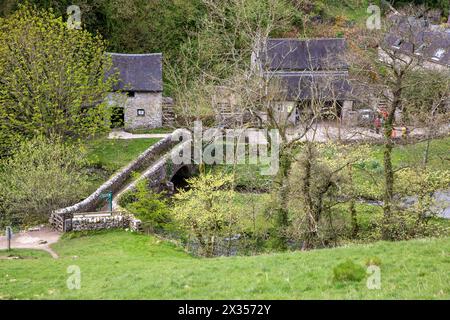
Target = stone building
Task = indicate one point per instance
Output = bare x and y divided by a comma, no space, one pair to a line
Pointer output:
308,70
138,96
430,44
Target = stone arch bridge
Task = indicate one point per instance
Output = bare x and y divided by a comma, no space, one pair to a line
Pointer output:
154,164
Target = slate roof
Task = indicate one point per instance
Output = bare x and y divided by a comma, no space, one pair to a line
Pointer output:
432,40
306,69
138,72
317,85
309,54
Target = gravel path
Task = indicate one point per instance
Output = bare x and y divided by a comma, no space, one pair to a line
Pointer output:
127,135
40,239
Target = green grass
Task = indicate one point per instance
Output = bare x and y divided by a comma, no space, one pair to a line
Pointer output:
370,181
412,154
106,156
118,264
354,10
113,154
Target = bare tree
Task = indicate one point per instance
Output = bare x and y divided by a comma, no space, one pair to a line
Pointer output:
386,76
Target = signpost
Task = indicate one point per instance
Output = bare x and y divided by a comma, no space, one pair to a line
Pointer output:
109,196
9,235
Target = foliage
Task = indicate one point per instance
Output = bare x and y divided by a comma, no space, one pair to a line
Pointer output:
320,178
417,204
348,271
151,208
42,175
52,78
206,209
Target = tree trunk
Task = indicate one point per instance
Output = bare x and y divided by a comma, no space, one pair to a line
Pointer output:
427,149
354,220
282,219
311,234
387,159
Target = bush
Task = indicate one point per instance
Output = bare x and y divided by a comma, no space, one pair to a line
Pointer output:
206,210
42,175
151,208
348,271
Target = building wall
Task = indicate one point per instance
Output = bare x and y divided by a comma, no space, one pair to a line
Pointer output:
151,103
426,64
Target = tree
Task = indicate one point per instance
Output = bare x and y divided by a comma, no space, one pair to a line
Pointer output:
206,210
321,178
427,94
219,58
391,79
42,174
52,79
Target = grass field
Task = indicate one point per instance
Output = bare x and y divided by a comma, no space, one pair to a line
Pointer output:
118,264
106,156
113,154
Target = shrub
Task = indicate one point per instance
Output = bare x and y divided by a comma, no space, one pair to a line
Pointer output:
42,175
151,208
206,210
348,271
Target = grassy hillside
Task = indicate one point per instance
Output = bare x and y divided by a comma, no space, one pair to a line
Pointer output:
118,264
113,154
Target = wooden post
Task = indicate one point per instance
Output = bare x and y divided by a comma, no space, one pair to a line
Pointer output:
8,237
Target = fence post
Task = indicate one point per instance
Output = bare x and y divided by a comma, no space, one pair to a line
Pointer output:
9,234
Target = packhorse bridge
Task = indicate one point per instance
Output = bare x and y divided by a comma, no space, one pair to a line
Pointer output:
154,164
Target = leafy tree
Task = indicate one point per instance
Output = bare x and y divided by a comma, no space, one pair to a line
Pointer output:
42,174
206,210
52,79
156,25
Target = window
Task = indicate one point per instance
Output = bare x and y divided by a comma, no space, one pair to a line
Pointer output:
130,94
397,43
140,112
438,54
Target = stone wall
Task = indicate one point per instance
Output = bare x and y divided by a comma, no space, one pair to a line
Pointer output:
150,104
98,222
114,184
160,172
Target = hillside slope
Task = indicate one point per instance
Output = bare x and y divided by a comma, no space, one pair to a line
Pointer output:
123,265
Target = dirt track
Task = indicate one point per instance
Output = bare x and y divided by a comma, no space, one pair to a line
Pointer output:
40,240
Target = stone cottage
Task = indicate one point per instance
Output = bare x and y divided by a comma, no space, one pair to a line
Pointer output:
138,94
308,70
